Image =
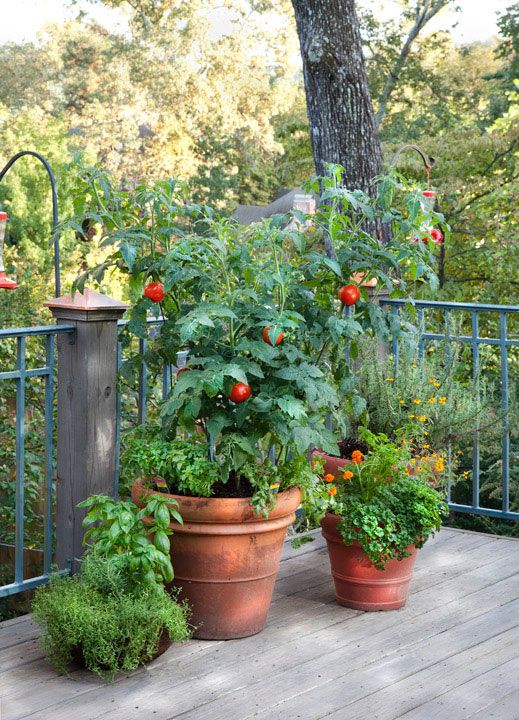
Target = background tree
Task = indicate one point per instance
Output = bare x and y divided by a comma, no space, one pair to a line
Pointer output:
340,111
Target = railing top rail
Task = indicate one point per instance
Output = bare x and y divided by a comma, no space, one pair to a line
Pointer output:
439,304
41,330
150,321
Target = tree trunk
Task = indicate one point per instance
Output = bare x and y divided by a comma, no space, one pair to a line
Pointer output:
340,111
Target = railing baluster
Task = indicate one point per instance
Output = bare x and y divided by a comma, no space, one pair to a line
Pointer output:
49,453
447,322
475,444
421,339
143,382
395,344
20,460
118,399
166,380
504,405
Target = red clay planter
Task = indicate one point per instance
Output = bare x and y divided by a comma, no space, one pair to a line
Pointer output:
226,559
358,584
332,463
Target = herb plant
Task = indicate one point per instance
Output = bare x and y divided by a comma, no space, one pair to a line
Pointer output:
112,615
382,505
101,618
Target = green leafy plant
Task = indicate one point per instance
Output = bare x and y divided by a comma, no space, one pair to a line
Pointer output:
434,392
257,311
382,505
102,619
113,614
117,527
183,465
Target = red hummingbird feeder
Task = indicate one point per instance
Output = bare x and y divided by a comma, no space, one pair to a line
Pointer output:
5,282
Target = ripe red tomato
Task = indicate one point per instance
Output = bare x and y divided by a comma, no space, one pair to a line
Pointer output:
240,392
349,294
155,292
179,372
266,338
429,193
437,236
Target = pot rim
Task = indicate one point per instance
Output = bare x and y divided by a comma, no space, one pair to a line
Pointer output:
222,510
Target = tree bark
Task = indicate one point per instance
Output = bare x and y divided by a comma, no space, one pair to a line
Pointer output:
340,110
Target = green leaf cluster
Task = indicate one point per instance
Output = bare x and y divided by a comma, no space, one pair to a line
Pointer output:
382,506
118,528
97,618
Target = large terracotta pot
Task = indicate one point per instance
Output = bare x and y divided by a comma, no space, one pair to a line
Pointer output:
226,559
358,584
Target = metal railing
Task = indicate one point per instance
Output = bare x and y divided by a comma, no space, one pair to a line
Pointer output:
499,315
20,374
150,383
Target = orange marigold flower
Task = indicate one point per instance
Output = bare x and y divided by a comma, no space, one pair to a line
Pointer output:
347,475
332,490
329,477
356,457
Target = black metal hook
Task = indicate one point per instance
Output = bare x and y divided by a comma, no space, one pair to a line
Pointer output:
55,219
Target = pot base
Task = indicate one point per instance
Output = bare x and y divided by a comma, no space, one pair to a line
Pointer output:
358,584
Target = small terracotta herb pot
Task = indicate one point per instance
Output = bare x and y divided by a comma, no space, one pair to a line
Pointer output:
358,584
226,559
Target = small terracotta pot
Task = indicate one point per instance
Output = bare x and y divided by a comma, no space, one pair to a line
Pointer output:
333,464
358,584
226,559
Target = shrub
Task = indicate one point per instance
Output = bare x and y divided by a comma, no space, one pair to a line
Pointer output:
98,618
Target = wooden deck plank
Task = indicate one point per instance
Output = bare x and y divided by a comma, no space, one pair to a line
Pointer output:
231,662
473,696
504,709
306,635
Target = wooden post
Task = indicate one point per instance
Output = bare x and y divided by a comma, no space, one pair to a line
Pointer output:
86,425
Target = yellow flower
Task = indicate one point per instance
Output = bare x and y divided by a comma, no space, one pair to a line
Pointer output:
440,465
426,445
416,401
436,384
442,400
422,418
465,474
426,432
402,402
390,379
420,468
431,400
411,416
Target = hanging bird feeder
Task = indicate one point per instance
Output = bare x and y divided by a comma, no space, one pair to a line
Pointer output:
5,282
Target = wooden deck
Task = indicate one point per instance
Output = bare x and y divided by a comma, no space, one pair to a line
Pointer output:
451,654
